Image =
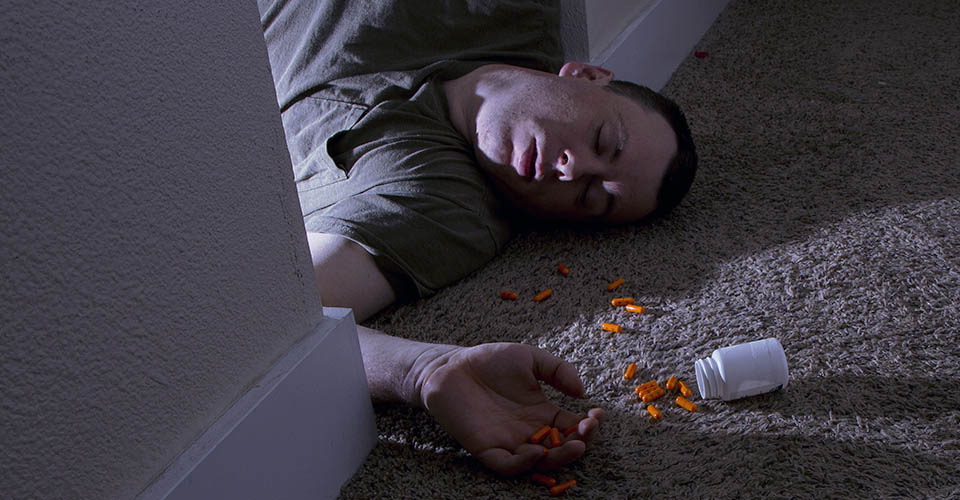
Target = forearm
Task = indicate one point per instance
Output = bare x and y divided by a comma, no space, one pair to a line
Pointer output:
396,367
348,277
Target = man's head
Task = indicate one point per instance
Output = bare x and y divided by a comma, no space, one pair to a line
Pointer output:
577,145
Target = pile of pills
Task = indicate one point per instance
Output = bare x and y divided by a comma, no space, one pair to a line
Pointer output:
651,391
646,392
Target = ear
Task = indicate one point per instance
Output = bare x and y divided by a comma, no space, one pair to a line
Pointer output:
587,71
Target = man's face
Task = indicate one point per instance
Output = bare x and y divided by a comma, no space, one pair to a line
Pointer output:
563,147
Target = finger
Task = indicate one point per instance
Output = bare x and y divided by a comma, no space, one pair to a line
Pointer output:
506,463
582,427
556,372
561,455
587,429
588,426
596,413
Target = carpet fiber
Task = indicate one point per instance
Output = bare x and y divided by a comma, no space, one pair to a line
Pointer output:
826,213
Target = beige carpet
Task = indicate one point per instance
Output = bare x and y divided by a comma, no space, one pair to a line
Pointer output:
826,214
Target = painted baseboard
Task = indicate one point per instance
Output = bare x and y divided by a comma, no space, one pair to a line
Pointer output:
651,48
300,433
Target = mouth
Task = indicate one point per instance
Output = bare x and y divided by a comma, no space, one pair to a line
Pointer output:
527,165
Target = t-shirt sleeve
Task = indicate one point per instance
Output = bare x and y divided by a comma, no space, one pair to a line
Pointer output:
420,242
404,185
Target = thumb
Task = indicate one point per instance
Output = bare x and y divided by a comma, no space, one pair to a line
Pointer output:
556,372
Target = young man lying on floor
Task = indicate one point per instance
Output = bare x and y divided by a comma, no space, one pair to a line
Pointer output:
417,131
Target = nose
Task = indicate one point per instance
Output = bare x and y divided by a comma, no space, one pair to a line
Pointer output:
571,166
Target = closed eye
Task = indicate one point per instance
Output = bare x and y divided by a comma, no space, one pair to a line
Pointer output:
596,145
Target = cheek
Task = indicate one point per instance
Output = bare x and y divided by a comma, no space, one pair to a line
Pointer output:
494,138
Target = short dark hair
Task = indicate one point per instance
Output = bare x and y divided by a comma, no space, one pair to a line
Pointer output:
682,168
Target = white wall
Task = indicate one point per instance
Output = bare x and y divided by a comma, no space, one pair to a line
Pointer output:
607,19
654,44
641,41
153,256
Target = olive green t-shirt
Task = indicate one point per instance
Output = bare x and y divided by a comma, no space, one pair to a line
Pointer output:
375,156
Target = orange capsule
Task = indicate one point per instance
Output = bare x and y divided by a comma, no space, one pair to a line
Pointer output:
555,438
508,295
648,391
646,386
540,297
563,269
634,308
613,286
684,402
631,371
672,383
611,327
540,434
653,395
684,389
621,301
543,479
570,430
654,412
564,486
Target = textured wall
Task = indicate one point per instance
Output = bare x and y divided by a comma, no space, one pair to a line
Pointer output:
153,256
573,30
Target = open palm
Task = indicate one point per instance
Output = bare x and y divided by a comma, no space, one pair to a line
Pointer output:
489,398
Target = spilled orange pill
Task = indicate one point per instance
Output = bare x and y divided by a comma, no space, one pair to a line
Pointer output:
654,412
616,284
543,295
621,301
540,434
631,371
672,383
646,386
684,389
543,479
564,486
555,438
563,269
611,327
684,402
652,395
634,308
508,295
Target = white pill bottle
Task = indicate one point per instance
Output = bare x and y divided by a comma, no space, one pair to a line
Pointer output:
742,370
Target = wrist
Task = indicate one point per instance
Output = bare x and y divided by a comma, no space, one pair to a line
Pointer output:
397,368
415,386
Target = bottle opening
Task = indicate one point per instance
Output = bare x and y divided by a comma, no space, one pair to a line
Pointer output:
707,378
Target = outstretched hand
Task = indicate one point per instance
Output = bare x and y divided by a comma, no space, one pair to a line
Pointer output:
489,398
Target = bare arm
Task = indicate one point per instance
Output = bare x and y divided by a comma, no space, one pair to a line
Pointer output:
488,397
347,276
